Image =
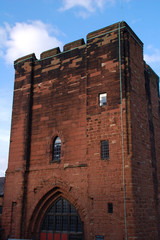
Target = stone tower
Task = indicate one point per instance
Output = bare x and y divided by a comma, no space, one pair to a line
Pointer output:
84,158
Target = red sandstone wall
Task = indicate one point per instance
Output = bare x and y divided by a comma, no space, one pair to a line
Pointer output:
59,108
144,109
58,95
19,145
104,123
65,103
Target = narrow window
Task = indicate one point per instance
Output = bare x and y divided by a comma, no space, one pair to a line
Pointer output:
102,99
0,209
110,207
57,149
104,149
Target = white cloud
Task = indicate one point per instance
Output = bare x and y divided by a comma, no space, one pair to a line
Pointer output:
82,14
25,38
153,56
89,5
3,36
5,123
84,8
3,166
68,4
4,143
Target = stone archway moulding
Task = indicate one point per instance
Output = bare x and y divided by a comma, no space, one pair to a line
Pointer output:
44,203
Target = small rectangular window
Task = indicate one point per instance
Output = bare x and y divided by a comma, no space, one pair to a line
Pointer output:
102,99
110,207
0,209
104,149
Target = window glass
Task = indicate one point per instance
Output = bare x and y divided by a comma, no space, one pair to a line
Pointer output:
65,223
103,99
65,206
59,206
110,207
105,149
58,223
62,217
57,149
73,223
0,209
50,222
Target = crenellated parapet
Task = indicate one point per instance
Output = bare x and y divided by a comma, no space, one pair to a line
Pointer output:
78,44
95,105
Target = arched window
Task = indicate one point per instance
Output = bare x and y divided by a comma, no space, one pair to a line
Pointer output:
61,222
56,149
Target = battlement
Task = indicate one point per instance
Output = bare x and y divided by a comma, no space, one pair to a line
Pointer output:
112,28
120,26
25,58
85,124
72,45
50,53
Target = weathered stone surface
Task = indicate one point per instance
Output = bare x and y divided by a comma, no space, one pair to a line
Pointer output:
59,96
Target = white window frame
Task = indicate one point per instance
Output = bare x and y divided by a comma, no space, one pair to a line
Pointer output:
103,99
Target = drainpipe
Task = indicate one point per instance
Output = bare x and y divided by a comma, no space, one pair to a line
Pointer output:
123,163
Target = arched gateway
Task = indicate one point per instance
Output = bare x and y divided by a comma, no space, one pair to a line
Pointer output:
61,222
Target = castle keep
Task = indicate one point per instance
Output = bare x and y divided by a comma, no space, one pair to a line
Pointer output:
84,159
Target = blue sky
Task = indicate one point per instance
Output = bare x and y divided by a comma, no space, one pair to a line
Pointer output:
28,26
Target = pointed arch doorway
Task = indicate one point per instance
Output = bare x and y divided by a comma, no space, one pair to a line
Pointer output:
61,222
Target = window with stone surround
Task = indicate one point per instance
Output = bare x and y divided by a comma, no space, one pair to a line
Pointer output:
61,221
56,150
